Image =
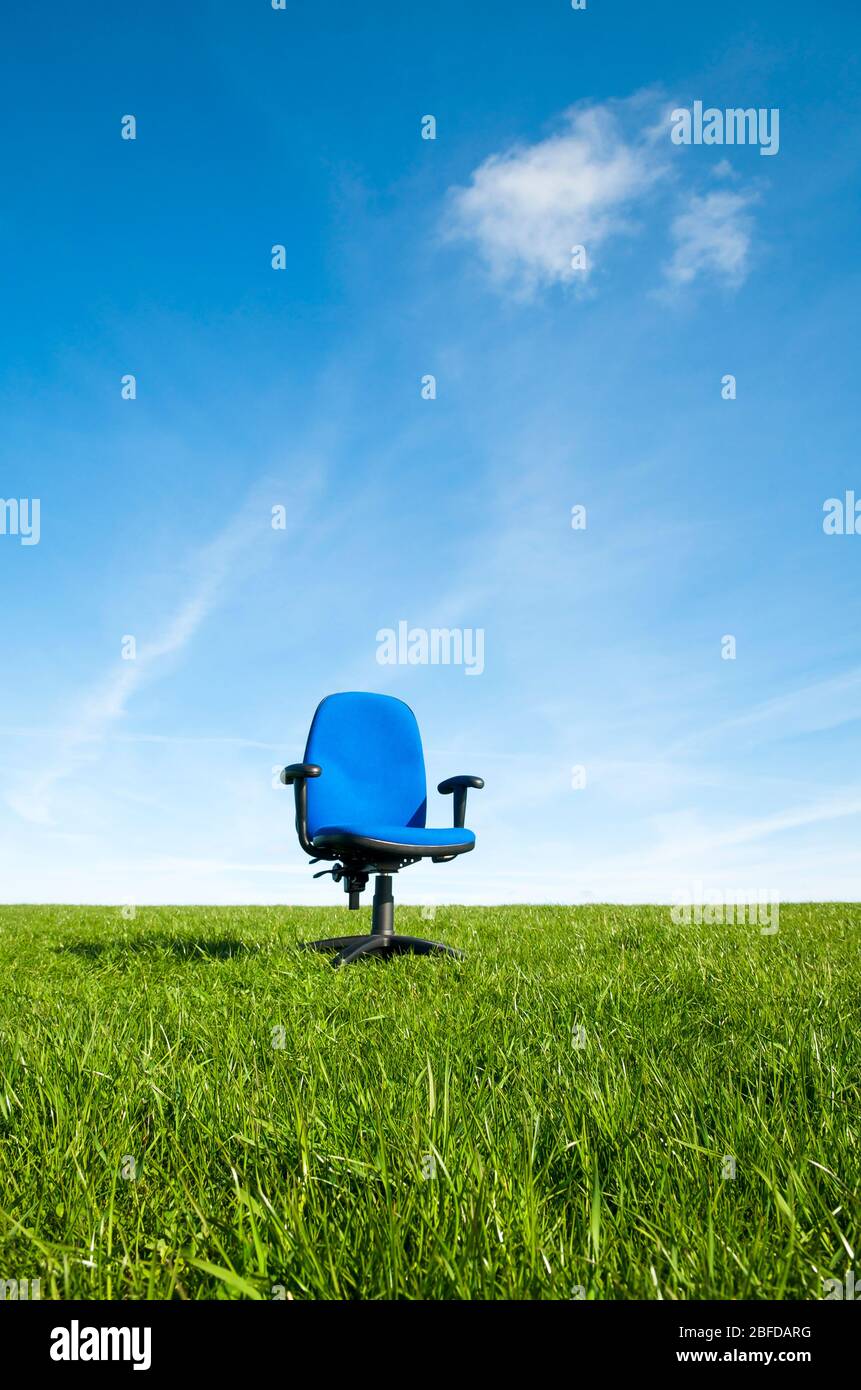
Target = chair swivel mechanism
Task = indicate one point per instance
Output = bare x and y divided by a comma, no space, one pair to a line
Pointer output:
361,802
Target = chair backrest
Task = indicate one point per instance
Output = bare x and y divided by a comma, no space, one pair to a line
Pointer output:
370,750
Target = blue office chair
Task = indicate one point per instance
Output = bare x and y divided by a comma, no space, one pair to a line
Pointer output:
361,800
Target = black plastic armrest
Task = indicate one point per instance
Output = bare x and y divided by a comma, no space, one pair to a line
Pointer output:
460,786
296,775
297,770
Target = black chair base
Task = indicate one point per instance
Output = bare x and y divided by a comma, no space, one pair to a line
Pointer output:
382,942
348,949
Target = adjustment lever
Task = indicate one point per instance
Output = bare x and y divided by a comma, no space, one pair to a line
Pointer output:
336,871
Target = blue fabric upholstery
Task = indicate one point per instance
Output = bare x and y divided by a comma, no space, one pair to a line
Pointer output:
373,773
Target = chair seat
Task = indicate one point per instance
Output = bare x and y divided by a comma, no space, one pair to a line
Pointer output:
415,841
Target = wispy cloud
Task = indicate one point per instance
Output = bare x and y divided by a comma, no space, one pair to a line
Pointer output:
821,705
108,700
745,832
712,237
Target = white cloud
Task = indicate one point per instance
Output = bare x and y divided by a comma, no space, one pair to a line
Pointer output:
712,236
724,170
528,206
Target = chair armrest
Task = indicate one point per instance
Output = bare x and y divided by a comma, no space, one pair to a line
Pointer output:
451,784
295,771
296,775
459,785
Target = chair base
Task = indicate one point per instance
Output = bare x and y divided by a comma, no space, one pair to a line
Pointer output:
382,942
348,949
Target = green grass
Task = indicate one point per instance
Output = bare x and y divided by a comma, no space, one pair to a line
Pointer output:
310,1165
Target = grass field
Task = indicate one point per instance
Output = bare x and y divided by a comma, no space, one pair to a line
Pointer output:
191,1108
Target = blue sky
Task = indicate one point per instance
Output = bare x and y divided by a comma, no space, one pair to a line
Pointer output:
152,780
